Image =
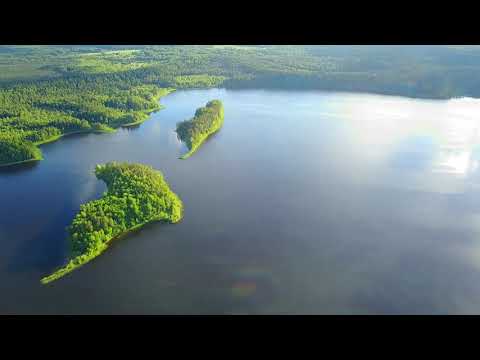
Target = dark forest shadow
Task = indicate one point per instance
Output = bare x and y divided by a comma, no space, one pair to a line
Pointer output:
131,127
18,168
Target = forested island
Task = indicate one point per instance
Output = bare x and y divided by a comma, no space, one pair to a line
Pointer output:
136,195
207,120
50,91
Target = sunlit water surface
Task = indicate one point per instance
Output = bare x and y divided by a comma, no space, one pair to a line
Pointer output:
305,202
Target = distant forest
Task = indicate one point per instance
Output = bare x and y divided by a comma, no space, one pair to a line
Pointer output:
49,91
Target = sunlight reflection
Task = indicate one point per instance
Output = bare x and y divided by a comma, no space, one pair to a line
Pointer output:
451,125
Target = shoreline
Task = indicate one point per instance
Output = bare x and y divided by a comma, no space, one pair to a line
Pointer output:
148,112
64,270
20,162
195,148
58,137
53,139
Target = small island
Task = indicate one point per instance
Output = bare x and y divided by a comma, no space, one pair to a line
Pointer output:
13,151
136,195
207,120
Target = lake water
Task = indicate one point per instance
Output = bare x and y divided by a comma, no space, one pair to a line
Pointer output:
304,203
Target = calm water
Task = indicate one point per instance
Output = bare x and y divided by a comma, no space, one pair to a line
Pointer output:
305,202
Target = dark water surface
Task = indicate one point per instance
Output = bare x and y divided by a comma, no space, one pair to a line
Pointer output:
305,202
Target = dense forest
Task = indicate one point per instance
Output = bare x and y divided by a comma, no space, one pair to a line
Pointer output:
136,194
207,120
427,71
14,151
50,91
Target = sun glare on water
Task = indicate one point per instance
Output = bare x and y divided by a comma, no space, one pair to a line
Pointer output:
450,126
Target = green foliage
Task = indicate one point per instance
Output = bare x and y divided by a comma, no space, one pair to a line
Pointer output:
200,81
15,151
137,194
419,71
40,112
101,128
108,62
206,121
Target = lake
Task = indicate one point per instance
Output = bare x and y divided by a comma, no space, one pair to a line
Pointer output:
304,203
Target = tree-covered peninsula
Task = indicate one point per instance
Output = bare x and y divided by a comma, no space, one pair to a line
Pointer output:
207,120
136,195
13,151
37,114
